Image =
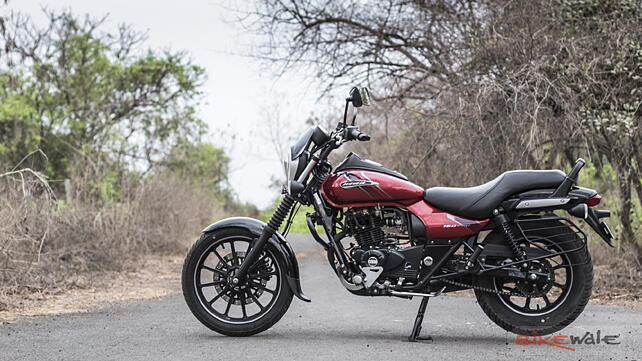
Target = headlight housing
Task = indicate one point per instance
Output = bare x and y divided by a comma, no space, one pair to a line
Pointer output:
300,154
294,168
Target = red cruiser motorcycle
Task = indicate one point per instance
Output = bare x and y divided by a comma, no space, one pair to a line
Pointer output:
529,267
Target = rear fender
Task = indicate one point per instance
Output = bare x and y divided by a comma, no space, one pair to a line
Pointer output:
277,242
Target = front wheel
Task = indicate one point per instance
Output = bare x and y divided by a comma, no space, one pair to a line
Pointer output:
234,310
554,299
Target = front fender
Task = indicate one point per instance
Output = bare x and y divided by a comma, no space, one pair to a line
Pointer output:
277,241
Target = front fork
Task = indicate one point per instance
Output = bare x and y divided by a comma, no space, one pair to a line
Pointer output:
268,231
273,225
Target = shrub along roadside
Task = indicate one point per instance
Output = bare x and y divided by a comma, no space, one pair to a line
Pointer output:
48,245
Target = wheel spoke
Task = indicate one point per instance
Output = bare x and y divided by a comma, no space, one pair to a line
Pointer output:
219,295
213,270
547,301
560,266
559,285
224,262
256,300
527,305
242,298
229,304
211,283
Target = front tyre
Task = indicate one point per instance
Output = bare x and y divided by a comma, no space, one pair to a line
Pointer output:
234,310
551,302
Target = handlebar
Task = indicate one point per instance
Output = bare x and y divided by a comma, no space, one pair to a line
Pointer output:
346,134
353,133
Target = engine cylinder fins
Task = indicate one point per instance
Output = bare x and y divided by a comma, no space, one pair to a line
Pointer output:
366,225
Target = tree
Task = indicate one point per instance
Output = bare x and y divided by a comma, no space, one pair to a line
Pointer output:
489,85
201,164
74,88
415,47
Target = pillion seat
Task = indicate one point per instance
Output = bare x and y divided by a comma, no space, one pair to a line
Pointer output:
478,202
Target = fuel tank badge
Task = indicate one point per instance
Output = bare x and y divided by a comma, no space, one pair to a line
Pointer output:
358,183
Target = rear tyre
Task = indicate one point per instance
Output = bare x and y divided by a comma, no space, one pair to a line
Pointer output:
234,310
546,306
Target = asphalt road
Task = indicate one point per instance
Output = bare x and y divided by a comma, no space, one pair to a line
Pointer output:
336,325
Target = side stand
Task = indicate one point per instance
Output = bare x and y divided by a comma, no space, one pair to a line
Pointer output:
416,329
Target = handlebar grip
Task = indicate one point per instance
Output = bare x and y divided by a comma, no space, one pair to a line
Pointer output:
353,133
363,137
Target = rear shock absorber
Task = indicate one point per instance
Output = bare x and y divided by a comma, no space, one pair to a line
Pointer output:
268,231
504,225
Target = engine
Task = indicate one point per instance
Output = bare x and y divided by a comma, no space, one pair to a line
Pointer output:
365,224
382,238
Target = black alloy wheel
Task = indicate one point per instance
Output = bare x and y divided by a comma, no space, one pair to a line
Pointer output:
234,309
558,287
549,287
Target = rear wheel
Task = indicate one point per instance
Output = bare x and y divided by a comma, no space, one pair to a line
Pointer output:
234,310
555,298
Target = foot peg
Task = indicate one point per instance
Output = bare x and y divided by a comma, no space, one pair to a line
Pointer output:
416,329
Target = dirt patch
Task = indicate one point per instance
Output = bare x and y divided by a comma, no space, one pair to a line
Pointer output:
159,276
618,278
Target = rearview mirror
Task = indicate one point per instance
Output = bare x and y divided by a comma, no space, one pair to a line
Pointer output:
360,97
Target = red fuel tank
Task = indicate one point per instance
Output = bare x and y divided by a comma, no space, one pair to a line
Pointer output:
362,188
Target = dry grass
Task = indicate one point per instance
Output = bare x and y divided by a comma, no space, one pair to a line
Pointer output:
47,246
618,279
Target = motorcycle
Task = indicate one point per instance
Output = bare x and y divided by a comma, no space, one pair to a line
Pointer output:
508,240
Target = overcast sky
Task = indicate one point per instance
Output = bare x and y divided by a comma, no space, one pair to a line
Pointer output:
238,90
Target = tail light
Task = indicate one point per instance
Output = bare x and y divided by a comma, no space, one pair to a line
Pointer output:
594,201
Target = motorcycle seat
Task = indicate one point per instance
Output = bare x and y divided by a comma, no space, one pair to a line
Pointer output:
480,201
